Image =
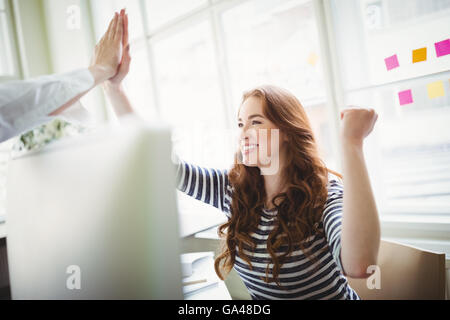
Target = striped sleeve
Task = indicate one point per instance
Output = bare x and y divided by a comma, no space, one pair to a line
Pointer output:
332,219
208,185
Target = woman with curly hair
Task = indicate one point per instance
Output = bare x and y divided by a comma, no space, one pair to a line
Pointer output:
291,233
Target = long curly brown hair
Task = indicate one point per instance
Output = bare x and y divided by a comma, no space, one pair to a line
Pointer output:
299,208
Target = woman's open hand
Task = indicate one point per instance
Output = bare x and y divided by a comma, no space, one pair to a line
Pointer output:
108,51
357,123
113,87
124,66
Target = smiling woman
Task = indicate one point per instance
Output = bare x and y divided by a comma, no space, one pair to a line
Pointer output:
283,234
278,218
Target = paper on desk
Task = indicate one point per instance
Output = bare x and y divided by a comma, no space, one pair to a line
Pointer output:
188,260
210,281
201,270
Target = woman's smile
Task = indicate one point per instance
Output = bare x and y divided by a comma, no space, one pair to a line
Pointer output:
249,147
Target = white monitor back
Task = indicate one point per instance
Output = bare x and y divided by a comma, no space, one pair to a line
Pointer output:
95,218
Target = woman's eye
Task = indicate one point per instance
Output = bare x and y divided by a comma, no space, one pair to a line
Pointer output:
240,125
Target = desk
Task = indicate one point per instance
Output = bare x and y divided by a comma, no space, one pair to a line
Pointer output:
217,291
199,218
190,223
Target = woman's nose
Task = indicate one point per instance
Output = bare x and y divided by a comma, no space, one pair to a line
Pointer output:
247,134
243,137
243,134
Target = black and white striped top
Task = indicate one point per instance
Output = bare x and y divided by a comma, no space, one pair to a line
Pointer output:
299,277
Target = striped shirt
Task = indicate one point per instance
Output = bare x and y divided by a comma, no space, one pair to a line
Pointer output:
299,277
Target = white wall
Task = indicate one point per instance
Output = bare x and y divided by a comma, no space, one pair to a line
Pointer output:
71,49
32,39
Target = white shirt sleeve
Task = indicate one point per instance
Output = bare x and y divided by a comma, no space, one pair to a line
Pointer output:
27,104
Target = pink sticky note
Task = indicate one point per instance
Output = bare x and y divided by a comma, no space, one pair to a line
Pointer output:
391,62
442,48
405,97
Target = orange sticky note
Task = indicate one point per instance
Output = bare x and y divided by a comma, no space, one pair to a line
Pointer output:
419,55
435,89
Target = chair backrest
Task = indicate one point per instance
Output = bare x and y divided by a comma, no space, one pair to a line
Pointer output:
406,273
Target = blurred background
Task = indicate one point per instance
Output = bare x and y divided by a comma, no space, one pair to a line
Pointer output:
193,59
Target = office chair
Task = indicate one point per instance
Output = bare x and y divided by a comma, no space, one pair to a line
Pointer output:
406,273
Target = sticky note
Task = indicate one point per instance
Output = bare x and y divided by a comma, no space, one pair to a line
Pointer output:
435,89
405,97
391,62
442,48
312,59
419,55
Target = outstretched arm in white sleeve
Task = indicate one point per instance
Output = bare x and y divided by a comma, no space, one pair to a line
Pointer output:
27,104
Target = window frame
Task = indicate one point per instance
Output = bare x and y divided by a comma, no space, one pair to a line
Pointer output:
5,147
408,223
212,11
15,53
397,225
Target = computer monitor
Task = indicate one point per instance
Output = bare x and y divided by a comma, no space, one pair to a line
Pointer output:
95,217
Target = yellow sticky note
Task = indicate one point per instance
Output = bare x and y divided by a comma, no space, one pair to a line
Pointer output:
419,55
435,89
312,59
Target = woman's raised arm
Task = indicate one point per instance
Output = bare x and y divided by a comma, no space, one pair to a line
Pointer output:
113,87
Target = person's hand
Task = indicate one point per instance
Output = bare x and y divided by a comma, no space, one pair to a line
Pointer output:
124,66
357,124
108,51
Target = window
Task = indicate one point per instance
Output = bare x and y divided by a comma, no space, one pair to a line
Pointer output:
277,42
103,11
274,42
138,82
193,59
388,57
7,62
8,71
160,12
188,88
